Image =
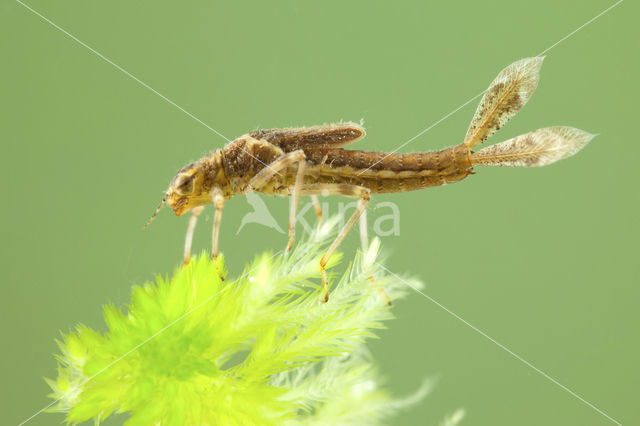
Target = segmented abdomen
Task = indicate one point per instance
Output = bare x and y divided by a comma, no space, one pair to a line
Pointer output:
382,172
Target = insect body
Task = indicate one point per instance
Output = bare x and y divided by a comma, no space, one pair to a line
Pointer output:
311,161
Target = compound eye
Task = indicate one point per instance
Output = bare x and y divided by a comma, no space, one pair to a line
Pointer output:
184,186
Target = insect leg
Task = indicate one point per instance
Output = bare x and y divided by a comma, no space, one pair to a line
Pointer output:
318,208
380,290
365,245
296,197
190,228
364,240
363,195
218,201
267,173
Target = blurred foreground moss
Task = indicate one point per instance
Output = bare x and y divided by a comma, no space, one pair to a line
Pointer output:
260,349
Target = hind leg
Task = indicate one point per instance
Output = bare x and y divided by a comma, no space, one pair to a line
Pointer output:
353,191
383,293
364,239
363,196
365,245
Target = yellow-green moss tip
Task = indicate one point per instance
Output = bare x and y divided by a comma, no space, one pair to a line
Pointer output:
260,349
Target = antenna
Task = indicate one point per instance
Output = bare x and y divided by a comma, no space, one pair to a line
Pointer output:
153,216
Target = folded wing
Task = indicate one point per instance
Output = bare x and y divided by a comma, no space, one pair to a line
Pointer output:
329,135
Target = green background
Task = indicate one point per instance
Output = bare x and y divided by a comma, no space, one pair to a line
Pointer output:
545,261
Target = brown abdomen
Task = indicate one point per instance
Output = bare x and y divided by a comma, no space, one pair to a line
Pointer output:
382,172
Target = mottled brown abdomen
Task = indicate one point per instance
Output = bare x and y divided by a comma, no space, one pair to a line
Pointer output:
382,172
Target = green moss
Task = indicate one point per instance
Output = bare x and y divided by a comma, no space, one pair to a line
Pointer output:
260,349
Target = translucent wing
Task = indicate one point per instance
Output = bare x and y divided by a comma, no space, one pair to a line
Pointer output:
329,135
506,95
533,149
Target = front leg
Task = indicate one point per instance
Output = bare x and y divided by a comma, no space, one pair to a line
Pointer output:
189,238
287,160
218,202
